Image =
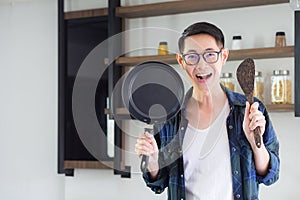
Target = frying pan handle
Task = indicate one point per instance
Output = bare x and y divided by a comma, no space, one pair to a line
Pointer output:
257,137
145,159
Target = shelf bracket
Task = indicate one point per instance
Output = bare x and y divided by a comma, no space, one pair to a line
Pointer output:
114,73
297,64
61,89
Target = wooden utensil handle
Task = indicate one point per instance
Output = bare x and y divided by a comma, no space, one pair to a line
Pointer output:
257,137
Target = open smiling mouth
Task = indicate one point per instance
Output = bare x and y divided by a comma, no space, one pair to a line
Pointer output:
203,76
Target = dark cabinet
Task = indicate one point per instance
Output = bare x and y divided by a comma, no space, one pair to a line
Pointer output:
82,36
77,38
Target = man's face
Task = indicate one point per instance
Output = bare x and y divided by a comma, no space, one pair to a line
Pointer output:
204,75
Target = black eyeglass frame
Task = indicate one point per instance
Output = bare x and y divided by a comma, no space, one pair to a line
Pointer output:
202,54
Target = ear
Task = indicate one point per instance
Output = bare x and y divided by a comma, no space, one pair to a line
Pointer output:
180,60
225,53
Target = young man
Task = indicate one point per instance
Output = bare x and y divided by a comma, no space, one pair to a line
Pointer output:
208,150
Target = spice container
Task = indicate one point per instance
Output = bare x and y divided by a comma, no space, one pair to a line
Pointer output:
227,80
258,86
281,92
236,42
163,48
280,40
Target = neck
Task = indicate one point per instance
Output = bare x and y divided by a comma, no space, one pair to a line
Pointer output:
204,107
209,98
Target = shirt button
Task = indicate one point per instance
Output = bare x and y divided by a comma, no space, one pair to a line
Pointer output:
238,196
233,149
230,127
236,172
181,175
182,128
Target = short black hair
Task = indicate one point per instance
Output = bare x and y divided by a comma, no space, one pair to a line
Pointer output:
201,28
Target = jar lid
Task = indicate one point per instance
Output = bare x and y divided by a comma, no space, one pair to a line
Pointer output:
280,33
226,75
237,37
258,73
281,72
163,43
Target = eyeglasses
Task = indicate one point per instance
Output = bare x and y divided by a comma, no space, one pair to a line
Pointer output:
208,56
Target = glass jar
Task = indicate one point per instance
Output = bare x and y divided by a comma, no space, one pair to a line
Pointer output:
281,92
227,80
163,48
280,40
258,86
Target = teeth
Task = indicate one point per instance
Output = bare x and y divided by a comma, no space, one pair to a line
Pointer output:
203,76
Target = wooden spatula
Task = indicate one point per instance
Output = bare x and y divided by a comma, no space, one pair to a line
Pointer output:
245,74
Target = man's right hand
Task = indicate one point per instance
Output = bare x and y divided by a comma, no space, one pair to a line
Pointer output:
146,145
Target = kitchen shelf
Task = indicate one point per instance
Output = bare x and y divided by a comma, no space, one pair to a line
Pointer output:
72,164
167,8
187,6
262,53
123,114
159,9
86,13
129,61
280,107
256,53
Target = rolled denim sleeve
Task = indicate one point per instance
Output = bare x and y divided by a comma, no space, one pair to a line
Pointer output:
160,183
273,173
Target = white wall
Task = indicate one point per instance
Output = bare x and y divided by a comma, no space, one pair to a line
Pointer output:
287,128
28,103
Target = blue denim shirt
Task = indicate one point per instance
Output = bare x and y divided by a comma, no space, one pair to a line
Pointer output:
245,180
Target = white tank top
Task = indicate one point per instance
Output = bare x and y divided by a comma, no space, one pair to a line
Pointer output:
207,166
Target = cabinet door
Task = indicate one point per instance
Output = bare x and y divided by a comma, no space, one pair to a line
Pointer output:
81,37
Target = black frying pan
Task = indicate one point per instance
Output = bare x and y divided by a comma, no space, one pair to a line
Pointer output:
153,92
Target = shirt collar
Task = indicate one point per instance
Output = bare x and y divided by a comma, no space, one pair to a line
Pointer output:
234,99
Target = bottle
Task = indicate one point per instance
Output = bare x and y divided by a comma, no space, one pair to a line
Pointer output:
280,40
236,42
227,80
281,91
258,86
163,48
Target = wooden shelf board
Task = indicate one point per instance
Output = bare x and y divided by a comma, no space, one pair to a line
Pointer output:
122,113
257,53
281,107
86,13
262,53
186,6
72,164
119,114
129,61
167,8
